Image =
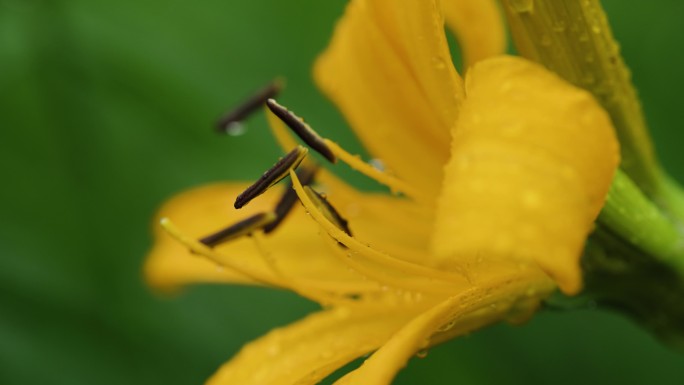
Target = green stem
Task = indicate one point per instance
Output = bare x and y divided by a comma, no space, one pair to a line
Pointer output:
671,197
620,277
629,214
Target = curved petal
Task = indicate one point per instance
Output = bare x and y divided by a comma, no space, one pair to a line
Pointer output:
532,160
470,310
397,226
295,247
388,69
309,350
478,26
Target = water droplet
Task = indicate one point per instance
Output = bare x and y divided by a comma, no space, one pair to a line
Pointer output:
273,349
409,296
438,62
236,129
343,312
522,6
559,26
378,164
531,199
422,353
323,188
447,326
259,375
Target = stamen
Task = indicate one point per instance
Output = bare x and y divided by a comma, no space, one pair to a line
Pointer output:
328,210
249,106
248,271
289,198
365,250
303,130
239,229
355,162
201,249
325,298
414,283
285,140
272,176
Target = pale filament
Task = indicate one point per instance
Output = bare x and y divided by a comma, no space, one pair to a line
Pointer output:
351,288
396,185
284,137
366,251
419,285
323,297
202,250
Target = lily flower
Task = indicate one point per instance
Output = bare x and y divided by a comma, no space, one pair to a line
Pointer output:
495,181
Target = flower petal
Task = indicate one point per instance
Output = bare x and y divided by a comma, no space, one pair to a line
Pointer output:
389,70
478,26
309,350
397,226
532,160
470,310
295,247
206,209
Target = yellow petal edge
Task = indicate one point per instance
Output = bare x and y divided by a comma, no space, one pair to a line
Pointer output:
478,26
389,70
309,350
532,161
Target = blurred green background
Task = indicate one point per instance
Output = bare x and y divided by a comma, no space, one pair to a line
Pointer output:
106,110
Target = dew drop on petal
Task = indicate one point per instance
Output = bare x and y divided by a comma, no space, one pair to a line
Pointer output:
377,164
522,6
236,129
273,349
447,326
559,26
439,63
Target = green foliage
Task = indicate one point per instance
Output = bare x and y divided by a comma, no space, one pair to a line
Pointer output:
106,110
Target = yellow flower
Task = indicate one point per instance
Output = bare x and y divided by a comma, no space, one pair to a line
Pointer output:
502,176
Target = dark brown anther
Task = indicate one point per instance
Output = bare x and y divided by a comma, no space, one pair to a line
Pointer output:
289,198
248,107
272,176
303,130
239,229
